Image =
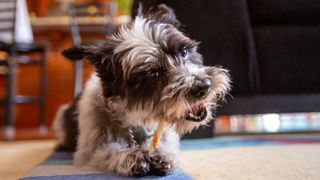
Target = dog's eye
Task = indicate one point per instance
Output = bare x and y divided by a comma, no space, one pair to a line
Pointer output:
183,52
152,73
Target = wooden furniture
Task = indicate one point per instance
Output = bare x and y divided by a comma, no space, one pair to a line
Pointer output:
20,55
54,32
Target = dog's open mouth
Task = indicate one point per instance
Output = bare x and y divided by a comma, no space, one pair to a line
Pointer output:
197,113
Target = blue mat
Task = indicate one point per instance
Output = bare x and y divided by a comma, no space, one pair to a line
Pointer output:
175,176
59,166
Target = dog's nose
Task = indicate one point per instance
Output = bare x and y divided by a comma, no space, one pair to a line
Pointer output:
200,88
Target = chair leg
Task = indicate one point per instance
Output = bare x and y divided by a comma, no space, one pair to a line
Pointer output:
78,71
113,12
10,98
43,85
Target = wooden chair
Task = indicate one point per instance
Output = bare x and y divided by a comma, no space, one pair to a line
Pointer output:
18,56
103,14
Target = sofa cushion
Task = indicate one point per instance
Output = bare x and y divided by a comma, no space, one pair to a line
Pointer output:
288,59
297,12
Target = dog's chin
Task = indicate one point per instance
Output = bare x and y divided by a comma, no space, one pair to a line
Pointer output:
197,113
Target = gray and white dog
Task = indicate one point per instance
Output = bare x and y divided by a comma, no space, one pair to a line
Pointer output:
148,70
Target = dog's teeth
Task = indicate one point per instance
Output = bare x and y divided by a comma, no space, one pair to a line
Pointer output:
191,115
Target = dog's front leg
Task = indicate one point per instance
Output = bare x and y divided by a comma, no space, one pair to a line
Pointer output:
165,158
117,158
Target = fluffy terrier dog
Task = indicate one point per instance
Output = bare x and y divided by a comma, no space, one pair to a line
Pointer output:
148,70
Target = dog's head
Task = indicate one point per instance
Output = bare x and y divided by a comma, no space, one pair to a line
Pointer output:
156,70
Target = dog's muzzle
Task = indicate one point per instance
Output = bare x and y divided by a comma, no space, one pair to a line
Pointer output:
199,90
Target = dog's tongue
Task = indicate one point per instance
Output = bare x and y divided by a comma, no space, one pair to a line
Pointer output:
197,113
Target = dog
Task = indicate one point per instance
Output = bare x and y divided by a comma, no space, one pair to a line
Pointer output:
147,71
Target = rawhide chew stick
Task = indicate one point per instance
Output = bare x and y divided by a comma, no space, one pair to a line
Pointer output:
156,136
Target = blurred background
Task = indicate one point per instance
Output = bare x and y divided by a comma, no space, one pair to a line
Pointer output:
40,80
270,47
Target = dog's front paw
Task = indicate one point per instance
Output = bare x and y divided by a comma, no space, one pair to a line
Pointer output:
142,165
159,166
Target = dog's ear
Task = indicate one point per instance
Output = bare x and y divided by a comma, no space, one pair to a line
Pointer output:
162,13
74,53
107,66
92,52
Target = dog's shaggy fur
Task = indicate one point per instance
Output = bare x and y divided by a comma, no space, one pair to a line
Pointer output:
148,70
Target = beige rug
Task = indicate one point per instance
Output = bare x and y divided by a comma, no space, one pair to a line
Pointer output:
260,162
17,158
257,162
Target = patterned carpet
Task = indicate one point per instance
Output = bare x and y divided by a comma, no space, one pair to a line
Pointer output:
237,157
243,141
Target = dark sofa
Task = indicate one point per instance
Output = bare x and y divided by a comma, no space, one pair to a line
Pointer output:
271,47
